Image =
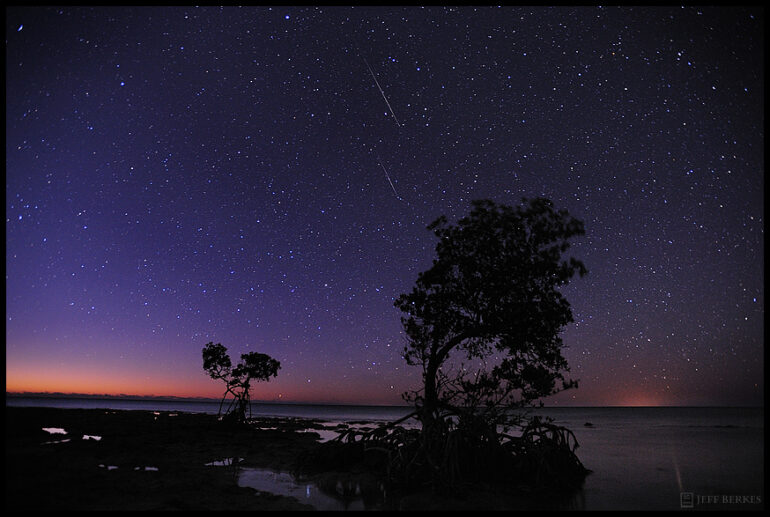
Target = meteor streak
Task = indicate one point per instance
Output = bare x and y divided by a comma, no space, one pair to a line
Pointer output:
382,93
388,176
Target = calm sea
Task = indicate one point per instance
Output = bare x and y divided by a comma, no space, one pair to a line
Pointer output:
650,458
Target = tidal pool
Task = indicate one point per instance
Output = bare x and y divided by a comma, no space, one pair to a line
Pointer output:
54,430
227,462
283,483
57,441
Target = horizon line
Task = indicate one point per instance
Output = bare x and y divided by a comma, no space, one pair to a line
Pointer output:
123,396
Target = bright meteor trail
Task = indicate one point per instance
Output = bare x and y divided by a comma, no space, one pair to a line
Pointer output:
383,94
388,176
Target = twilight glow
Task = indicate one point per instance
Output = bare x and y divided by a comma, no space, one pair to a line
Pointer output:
262,178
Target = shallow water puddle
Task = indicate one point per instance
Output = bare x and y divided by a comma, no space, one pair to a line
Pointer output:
56,441
59,430
333,429
325,434
283,483
115,467
224,463
55,430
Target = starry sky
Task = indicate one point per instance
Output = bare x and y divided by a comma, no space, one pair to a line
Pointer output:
263,178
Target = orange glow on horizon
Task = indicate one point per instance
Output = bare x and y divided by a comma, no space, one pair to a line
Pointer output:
640,401
83,380
29,376
112,382
589,395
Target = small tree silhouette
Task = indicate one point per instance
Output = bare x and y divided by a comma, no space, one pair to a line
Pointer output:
253,367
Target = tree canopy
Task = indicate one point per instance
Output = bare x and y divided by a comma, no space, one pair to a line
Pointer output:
492,298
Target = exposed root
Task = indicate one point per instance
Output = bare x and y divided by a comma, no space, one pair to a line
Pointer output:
452,458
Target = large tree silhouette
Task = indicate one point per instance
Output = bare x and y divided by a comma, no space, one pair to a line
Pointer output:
253,367
483,321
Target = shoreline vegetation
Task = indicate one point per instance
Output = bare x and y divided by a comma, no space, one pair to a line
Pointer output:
157,460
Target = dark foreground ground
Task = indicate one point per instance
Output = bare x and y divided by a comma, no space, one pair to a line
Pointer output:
67,476
75,475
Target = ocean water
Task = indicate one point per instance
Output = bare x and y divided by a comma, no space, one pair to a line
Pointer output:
313,411
668,458
642,458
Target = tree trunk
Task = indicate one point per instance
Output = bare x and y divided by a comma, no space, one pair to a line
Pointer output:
430,402
431,436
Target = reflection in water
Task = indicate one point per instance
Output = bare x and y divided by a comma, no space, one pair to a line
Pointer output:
332,429
676,469
575,501
283,483
56,441
336,492
325,434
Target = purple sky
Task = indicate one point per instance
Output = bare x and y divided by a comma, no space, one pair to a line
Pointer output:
180,175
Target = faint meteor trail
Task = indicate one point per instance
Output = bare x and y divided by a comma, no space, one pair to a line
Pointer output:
381,92
388,176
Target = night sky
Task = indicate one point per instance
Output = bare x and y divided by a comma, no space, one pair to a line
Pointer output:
263,178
